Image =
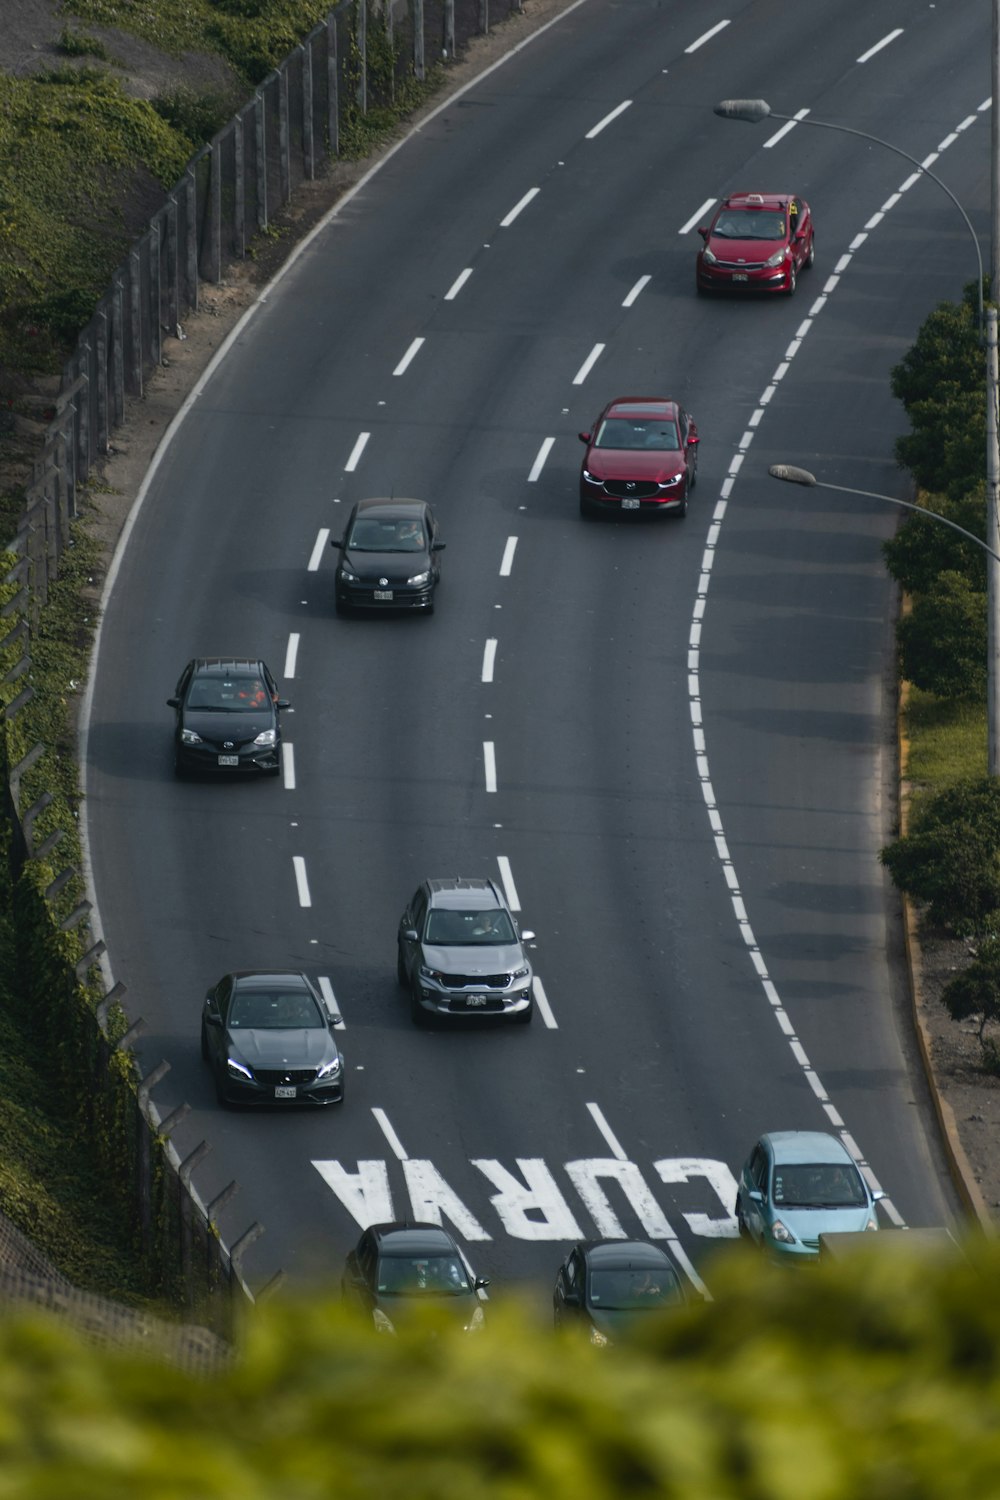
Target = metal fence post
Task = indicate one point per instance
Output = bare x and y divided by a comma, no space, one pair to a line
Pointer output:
332,88
418,39
215,211
260,133
308,147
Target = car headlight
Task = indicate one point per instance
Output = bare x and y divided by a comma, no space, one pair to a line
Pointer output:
589,478
708,257
266,737
597,1337
188,737
418,578
521,973
783,1235
329,1069
477,1322
668,484
872,1224
238,1070
435,974
776,258
382,1323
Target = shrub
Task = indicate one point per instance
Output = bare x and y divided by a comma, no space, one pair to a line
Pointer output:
976,992
952,858
923,549
941,382
943,640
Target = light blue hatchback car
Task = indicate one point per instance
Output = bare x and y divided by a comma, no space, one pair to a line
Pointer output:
797,1185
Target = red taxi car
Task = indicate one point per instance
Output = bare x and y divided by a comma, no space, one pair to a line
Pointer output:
756,242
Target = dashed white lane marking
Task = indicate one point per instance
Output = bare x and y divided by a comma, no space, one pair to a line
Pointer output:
779,135
617,1149
291,655
507,881
301,880
542,455
890,37
457,284
395,1144
409,356
507,561
542,1003
288,765
319,547
637,290
519,207
326,990
588,364
602,124
696,218
707,36
701,757
490,765
489,657
356,452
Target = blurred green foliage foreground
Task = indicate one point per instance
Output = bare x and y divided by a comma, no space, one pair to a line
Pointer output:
871,1378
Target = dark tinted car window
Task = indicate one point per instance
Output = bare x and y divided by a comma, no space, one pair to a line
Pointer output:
434,1275
629,433
228,694
823,1185
469,927
633,1289
750,224
278,1010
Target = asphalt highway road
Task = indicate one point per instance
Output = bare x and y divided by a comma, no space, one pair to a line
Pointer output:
677,755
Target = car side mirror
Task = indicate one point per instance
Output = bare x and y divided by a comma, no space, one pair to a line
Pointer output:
756,1195
703,231
481,1282
438,546
584,437
282,703
410,934
878,1196
527,935
212,1018
571,1299
173,703
336,541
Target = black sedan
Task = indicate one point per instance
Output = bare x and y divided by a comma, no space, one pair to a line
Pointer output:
227,717
610,1286
388,557
269,1039
397,1269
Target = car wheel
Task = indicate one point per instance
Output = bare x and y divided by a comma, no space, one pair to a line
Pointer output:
401,973
790,289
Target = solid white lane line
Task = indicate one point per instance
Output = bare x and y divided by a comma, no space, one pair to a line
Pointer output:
507,561
588,364
319,546
490,763
326,990
789,125
891,37
301,881
356,452
597,1115
507,880
707,36
542,1003
288,765
489,657
457,284
291,654
596,130
639,287
519,206
395,1144
697,217
408,357
539,464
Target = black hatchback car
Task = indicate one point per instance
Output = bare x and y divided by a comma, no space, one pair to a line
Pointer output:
227,716
609,1286
269,1039
388,557
396,1269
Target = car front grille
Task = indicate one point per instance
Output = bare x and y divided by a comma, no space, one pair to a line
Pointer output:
739,265
631,489
476,981
275,1077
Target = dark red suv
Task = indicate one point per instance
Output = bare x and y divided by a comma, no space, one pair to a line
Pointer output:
642,455
756,242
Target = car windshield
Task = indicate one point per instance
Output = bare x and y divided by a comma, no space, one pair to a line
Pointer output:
467,929
750,224
424,1275
274,1010
370,535
823,1185
227,695
638,432
633,1289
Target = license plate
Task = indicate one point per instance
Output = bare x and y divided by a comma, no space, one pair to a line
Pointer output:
229,760
740,276
283,1091
472,1000
385,595
630,503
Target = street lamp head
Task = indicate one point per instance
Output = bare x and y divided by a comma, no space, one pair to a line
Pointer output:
751,110
792,474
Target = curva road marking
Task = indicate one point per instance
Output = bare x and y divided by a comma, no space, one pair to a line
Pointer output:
490,763
288,765
457,284
588,364
409,356
507,880
301,880
602,124
519,206
356,452
507,561
539,464
326,990
319,547
489,657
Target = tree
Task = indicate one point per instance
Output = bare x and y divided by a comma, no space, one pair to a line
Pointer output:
952,858
941,381
943,640
922,550
976,992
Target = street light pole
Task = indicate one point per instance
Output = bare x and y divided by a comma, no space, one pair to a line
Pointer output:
755,110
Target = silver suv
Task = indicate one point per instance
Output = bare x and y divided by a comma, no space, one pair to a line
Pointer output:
460,954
